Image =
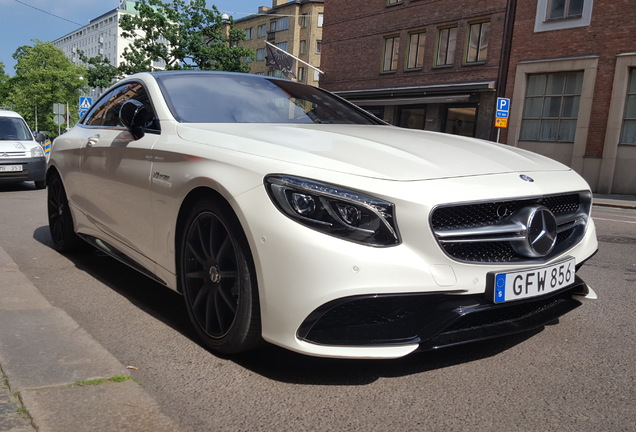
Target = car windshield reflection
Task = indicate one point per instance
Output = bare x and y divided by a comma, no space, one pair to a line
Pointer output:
200,98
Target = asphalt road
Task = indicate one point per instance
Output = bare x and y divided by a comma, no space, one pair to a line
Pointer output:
577,375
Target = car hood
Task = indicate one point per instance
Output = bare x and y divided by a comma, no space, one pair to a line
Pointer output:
385,152
16,145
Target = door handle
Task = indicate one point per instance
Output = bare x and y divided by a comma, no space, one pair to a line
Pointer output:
92,141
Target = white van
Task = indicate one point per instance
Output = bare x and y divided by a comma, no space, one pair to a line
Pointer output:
21,156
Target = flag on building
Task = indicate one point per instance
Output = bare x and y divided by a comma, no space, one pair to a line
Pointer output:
280,60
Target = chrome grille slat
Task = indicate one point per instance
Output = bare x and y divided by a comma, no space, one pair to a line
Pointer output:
482,232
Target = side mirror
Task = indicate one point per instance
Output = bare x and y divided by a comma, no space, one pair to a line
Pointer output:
132,115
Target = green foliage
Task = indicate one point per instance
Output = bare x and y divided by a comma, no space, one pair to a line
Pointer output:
44,76
100,73
182,35
4,86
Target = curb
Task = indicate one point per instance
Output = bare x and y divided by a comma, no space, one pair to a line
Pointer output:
618,201
44,354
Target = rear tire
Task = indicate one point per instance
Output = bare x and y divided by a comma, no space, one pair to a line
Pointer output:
217,278
60,218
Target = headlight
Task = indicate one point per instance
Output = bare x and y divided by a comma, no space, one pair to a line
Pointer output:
37,151
333,210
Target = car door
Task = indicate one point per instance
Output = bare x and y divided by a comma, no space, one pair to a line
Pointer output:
115,173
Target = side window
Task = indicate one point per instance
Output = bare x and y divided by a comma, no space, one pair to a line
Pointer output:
95,116
106,111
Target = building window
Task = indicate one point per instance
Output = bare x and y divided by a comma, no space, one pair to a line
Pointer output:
551,107
415,58
303,21
446,41
628,135
283,46
563,9
249,33
301,74
478,42
282,23
562,14
320,19
303,47
318,46
260,54
261,31
391,53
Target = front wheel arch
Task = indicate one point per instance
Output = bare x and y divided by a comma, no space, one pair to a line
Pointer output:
244,333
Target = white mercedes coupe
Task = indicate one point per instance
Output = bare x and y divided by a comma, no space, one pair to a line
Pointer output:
285,214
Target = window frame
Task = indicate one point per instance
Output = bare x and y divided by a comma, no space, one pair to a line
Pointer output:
544,120
394,55
420,50
451,46
630,103
483,35
261,31
566,10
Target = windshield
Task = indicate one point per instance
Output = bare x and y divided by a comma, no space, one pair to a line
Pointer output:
243,98
13,128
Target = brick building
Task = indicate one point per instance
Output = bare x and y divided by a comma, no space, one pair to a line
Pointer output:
422,64
569,67
295,27
572,81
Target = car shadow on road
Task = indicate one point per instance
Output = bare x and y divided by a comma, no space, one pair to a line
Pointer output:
270,361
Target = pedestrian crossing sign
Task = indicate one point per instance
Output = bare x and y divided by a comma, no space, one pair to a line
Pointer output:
85,102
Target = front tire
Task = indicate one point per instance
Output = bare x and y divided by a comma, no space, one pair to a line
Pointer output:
217,279
60,218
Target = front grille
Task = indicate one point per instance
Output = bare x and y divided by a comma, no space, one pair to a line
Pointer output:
12,154
484,233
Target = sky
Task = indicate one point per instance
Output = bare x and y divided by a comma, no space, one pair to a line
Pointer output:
22,21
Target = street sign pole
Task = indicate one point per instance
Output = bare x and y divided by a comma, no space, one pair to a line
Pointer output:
501,115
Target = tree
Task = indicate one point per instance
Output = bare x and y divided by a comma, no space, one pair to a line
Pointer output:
4,85
181,35
44,76
100,73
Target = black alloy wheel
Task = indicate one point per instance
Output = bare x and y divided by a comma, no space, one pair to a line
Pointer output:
217,279
60,218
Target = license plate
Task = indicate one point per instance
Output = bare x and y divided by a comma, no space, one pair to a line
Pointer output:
10,168
534,282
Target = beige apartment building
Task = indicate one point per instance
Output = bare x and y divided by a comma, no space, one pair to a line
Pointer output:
293,26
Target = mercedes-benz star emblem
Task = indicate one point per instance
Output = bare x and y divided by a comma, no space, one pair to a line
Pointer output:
540,231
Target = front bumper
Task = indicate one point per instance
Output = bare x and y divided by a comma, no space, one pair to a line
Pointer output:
33,169
432,320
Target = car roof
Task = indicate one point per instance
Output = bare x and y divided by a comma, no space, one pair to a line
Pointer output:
7,113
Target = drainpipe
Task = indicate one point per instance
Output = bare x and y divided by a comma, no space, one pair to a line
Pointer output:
506,48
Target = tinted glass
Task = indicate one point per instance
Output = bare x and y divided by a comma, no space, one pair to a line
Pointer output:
106,111
13,128
210,98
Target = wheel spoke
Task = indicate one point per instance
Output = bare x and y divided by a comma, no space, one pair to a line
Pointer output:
196,274
228,299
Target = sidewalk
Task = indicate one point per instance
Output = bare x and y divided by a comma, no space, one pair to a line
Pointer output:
55,376
45,357
620,201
